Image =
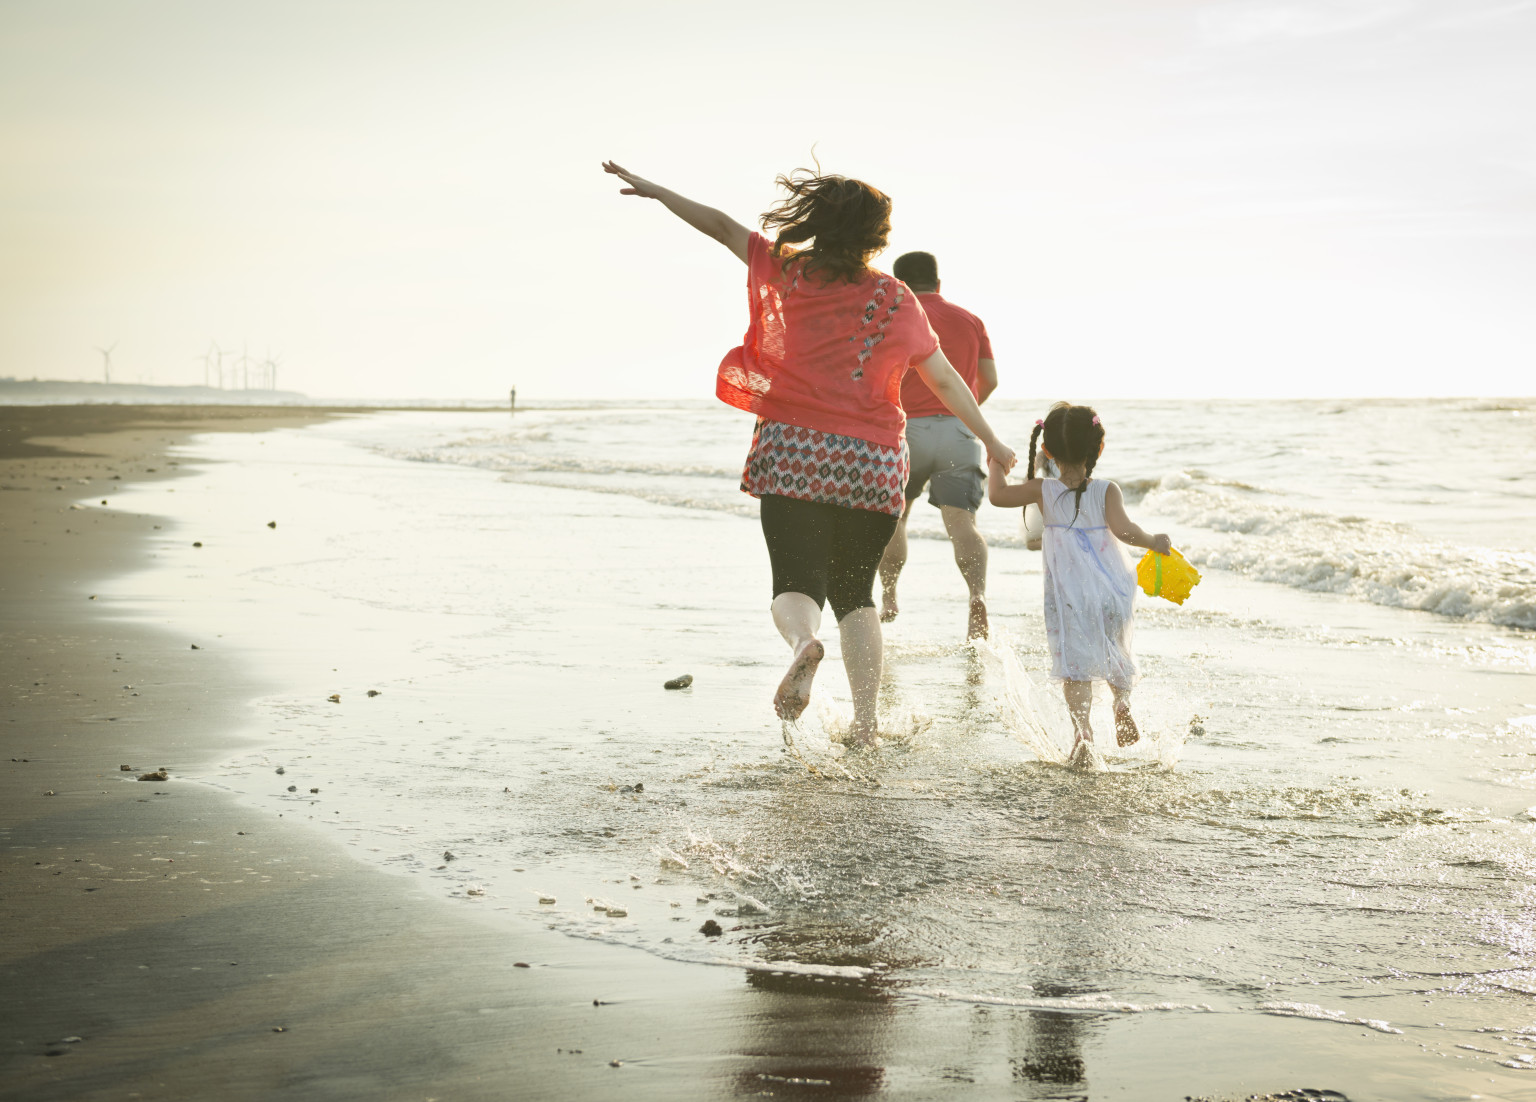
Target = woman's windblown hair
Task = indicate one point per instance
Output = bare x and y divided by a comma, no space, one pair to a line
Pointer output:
846,223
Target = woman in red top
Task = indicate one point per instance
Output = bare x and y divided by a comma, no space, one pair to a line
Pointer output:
827,344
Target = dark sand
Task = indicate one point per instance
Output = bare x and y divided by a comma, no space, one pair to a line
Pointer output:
162,940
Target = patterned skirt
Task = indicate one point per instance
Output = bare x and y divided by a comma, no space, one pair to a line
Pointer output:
822,466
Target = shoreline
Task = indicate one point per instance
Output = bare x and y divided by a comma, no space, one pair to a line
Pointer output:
201,947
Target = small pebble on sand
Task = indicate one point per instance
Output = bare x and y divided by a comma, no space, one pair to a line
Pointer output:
374,692
334,698
679,682
291,787
197,543
196,647
125,768
711,928
157,775
271,524
281,770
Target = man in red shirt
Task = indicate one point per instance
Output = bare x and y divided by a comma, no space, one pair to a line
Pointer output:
946,456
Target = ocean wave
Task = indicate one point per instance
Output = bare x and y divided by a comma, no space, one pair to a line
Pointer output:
1381,562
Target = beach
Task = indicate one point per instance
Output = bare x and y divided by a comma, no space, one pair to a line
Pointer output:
450,630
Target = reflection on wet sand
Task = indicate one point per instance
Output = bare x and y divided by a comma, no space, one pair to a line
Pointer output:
796,1057
1051,1044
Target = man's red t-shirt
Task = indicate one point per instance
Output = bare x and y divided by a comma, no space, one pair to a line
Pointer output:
963,339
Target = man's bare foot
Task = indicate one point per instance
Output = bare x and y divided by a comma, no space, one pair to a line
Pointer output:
1126,733
976,626
795,690
888,609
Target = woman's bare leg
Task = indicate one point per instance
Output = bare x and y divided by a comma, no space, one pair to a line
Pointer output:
1079,696
798,618
863,658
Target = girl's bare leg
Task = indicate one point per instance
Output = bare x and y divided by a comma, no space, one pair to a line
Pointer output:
863,657
798,618
1079,696
1126,732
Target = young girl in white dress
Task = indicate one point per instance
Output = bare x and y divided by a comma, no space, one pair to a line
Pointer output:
1090,587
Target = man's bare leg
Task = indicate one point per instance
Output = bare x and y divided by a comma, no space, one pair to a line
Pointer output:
797,617
1079,696
863,658
971,557
891,562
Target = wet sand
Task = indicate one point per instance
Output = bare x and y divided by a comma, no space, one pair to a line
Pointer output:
164,940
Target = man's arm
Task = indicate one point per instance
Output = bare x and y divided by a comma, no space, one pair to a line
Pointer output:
986,379
707,220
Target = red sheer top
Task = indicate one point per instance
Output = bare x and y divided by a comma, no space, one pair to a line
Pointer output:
825,356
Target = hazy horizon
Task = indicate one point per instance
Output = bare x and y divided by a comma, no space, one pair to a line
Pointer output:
1141,198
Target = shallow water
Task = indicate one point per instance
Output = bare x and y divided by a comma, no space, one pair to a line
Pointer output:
1331,816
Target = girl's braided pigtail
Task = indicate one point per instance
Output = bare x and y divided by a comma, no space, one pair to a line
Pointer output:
1033,437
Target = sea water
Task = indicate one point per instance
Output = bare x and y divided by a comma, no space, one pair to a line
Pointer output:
1331,816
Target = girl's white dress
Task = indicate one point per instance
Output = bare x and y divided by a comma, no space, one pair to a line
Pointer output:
1090,588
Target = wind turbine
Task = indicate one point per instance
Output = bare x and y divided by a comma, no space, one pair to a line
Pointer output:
269,370
106,360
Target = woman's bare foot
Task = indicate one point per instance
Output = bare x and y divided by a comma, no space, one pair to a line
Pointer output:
976,626
888,609
795,690
1126,733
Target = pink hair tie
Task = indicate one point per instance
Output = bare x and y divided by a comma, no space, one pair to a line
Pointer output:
1039,423
1096,420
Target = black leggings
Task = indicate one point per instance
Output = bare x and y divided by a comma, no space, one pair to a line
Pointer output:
828,552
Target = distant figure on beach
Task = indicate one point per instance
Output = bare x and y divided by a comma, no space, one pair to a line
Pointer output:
946,456
828,341
1090,588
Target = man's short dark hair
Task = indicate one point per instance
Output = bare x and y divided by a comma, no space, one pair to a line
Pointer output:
916,269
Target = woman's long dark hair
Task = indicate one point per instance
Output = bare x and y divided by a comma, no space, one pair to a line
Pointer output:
847,223
1073,434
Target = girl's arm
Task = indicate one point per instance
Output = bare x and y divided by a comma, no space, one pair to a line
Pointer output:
1125,529
945,381
1010,496
707,220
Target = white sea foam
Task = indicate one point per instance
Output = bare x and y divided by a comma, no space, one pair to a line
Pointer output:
1088,1004
1317,1013
1369,560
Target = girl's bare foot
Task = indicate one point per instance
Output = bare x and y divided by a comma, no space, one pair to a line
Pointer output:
861,736
976,627
795,690
1126,733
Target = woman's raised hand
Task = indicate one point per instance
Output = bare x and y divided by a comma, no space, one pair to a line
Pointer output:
638,185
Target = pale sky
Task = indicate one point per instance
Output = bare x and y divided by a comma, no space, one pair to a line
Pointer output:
1140,197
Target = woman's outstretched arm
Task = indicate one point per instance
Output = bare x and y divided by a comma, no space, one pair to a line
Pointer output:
707,220
945,381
